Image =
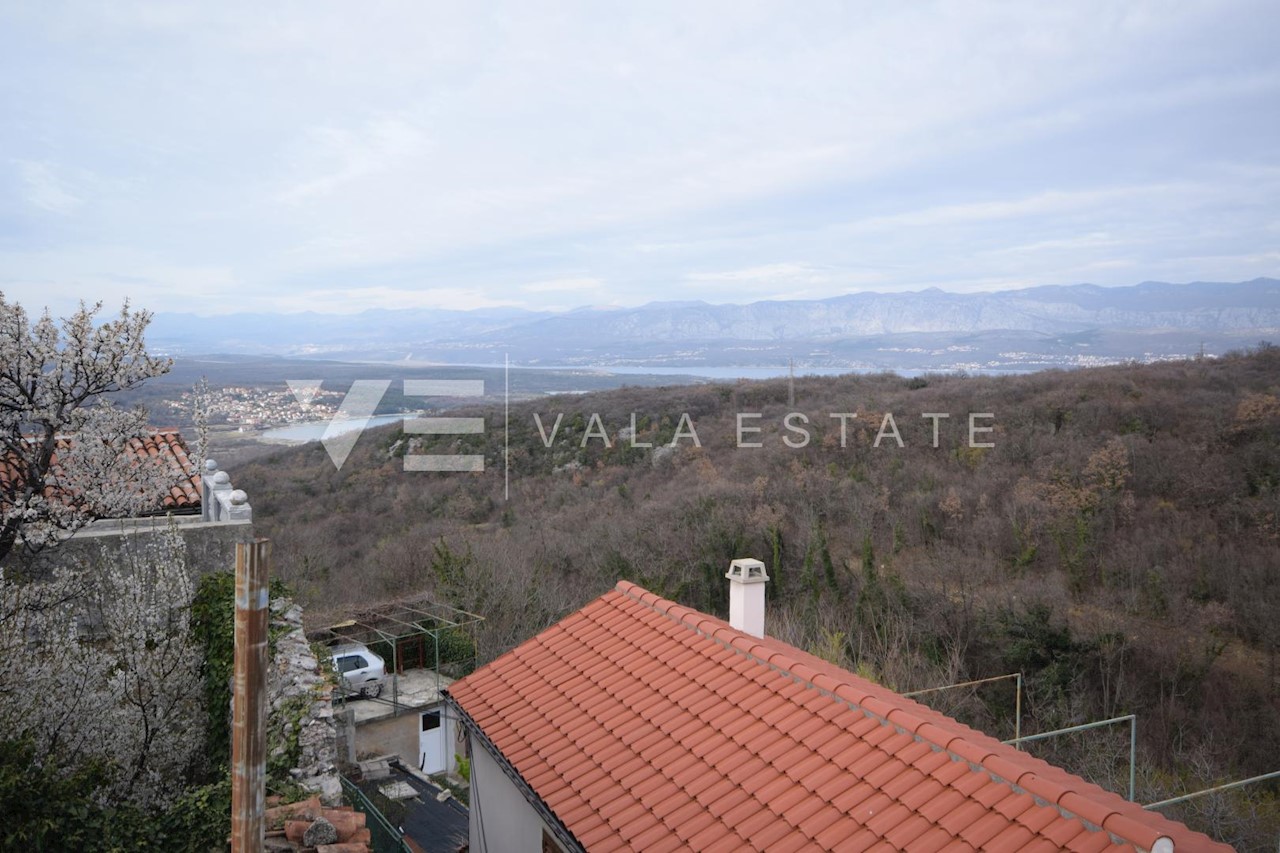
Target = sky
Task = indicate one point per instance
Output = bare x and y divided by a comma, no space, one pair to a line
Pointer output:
335,157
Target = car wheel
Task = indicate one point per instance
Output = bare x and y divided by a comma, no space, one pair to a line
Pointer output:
373,692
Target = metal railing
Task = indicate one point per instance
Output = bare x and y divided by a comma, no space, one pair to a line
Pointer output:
1131,719
385,837
1273,775
1017,708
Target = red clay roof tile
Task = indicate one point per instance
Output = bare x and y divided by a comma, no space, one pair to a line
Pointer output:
1039,845
934,839
864,811
852,797
1090,842
957,846
903,781
827,781
761,819
922,793
1009,840
166,447
862,840
907,831
765,838
887,819
646,725
882,847
791,843
984,829
838,834
728,844
1063,830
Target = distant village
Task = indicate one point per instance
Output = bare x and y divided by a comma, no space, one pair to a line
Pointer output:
260,408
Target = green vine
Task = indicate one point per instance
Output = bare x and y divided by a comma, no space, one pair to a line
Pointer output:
213,617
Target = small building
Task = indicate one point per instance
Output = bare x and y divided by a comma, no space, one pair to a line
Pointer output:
408,720
636,723
424,646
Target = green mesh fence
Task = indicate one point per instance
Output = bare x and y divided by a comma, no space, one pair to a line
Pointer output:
386,838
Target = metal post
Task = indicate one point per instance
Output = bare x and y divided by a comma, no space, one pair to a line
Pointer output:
1133,759
249,703
1017,716
395,677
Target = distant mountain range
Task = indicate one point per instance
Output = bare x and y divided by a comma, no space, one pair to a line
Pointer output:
929,329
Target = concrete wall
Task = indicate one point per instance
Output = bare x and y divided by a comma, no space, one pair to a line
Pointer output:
390,736
211,545
225,518
399,735
502,821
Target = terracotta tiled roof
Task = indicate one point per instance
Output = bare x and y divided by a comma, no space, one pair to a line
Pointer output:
645,725
167,445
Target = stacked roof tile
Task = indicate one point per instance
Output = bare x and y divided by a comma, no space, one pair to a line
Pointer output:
641,724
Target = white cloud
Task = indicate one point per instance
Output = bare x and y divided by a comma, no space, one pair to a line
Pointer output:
343,299
672,151
563,285
44,189
335,156
1095,240
767,272
1039,204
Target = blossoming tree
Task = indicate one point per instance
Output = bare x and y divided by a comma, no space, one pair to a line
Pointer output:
62,460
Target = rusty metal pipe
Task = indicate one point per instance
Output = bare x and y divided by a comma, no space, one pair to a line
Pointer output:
249,702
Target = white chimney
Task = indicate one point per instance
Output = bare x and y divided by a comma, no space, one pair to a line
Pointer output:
746,596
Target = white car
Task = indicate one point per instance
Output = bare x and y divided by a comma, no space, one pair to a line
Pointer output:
360,671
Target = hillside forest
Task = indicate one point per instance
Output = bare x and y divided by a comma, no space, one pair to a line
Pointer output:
1118,544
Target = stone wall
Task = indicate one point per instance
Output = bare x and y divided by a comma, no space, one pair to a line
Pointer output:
300,707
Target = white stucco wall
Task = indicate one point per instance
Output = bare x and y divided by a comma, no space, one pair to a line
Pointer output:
502,821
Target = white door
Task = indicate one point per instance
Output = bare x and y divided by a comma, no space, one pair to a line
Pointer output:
431,747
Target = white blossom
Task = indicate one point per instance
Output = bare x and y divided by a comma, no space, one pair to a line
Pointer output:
201,404
99,663
53,378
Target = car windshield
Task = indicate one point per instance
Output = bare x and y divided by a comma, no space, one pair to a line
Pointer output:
350,662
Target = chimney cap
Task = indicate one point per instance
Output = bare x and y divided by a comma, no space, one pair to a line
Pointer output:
746,570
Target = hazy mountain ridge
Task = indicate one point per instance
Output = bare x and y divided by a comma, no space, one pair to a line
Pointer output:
664,331
1208,307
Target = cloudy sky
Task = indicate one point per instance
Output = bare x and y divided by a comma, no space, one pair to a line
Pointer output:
218,157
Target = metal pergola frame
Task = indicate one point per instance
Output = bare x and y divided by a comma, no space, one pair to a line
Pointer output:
394,622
